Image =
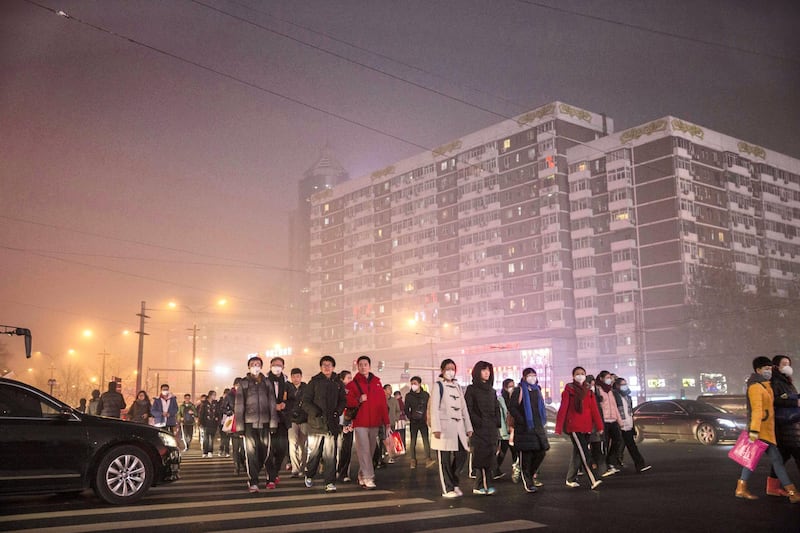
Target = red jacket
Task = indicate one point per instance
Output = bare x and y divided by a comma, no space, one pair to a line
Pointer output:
571,421
375,411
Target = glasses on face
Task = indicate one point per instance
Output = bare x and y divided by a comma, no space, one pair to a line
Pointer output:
326,365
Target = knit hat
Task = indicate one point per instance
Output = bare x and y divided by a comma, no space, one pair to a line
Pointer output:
761,361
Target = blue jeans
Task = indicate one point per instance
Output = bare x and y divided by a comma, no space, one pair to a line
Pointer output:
777,463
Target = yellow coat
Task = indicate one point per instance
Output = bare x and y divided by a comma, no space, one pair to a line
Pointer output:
762,413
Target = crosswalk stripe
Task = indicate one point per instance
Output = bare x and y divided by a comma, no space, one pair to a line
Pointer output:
364,521
226,517
250,501
492,527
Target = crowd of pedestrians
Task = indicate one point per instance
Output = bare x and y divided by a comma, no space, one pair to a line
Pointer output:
272,422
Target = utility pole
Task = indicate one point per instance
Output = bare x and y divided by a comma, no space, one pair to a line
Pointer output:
104,353
140,359
194,360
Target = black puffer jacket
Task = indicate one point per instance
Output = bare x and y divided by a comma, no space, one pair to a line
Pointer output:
525,438
416,404
484,413
785,398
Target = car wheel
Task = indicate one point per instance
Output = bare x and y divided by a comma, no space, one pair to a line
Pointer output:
706,434
123,475
639,436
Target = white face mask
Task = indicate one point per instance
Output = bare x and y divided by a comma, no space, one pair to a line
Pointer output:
449,375
786,371
532,380
415,387
164,392
608,381
579,378
255,370
276,370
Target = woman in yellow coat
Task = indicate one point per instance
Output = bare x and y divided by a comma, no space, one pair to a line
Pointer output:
761,425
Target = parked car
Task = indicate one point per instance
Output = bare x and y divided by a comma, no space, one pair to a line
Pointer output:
672,420
47,446
733,403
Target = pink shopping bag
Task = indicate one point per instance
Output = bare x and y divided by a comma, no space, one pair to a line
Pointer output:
747,453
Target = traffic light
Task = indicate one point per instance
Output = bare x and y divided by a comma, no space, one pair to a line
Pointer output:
406,367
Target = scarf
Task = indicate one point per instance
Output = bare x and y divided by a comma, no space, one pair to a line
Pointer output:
525,391
580,392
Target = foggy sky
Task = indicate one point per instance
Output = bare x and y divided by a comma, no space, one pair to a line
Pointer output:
129,175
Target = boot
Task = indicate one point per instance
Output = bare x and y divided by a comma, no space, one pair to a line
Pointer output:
791,491
741,491
774,487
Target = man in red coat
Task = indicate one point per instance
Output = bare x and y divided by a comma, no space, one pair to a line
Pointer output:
365,393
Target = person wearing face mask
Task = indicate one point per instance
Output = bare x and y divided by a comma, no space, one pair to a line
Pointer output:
165,410
365,393
451,427
577,415
505,435
256,418
761,426
280,439
612,421
484,414
209,420
530,438
416,409
622,395
787,418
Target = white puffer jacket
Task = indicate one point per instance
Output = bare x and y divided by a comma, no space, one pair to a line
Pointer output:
449,416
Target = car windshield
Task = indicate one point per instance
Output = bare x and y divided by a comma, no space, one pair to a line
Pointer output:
700,407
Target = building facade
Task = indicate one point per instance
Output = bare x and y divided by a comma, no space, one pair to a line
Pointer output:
550,241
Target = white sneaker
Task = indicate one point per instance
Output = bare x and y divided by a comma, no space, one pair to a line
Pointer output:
596,484
573,484
330,487
458,491
450,494
369,484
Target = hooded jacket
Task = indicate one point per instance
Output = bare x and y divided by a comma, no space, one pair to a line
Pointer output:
324,400
111,402
760,408
481,399
449,416
172,410
375,411
570,420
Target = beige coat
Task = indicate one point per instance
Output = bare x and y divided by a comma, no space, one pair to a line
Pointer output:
449,416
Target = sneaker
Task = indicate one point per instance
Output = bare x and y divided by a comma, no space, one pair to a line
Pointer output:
596,483
516,475
609,472
277,479
330,487
369,484
645,468
430,463
270,486
530,489
480,491
490,491
390,460
413,463
573,484
308,482
227,455
449,494
581,473
458,491
499,475
346,479
253,488
615,469
537,483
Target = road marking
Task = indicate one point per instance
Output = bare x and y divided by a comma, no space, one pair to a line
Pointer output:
492,527
227,517
250,500
368,521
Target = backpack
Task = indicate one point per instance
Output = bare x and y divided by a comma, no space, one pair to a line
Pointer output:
188,416
441,397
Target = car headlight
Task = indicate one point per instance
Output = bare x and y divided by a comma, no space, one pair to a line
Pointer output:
168,439
724,422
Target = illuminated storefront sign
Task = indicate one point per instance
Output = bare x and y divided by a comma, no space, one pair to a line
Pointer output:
713,383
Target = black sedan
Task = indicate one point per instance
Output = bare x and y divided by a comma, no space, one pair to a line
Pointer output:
47,446
672,420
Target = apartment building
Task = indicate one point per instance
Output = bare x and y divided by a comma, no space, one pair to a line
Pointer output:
649,207
463,252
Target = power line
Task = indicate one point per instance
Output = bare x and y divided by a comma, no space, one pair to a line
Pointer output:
654,31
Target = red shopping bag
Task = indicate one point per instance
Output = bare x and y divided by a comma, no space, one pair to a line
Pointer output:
394,444
747,453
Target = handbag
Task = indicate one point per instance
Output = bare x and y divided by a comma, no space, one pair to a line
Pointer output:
229,424
747,453
394,444
350,413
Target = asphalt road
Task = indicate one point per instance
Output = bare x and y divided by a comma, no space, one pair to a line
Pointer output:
690,488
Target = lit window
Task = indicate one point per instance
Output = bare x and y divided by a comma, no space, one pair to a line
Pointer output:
506,144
